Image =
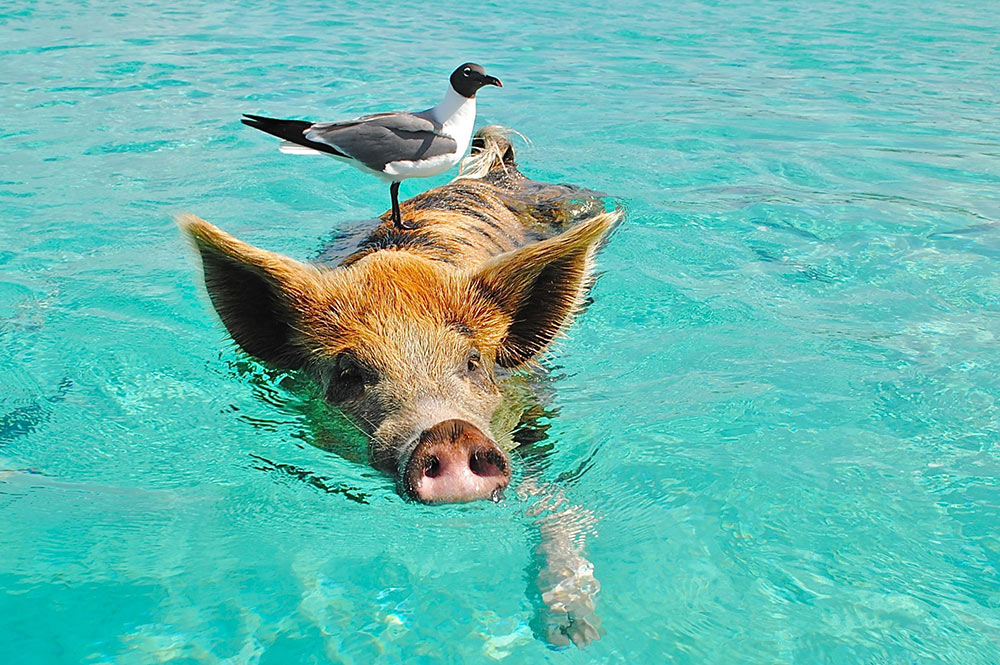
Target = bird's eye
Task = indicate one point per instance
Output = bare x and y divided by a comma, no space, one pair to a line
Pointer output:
473,363
466,71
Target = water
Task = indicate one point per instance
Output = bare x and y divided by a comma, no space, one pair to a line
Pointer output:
782,407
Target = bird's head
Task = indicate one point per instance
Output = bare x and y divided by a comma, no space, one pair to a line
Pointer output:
470,77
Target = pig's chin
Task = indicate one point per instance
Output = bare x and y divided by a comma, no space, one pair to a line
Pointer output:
455,462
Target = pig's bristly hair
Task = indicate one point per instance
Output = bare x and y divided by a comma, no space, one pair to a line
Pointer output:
492,150
474,251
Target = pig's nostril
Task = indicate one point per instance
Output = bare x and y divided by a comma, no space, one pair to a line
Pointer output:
487,463
432,469
454,461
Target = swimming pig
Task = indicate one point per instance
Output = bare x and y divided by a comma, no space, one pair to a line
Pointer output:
413,336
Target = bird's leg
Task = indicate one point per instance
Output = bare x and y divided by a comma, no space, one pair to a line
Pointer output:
394,193
397,219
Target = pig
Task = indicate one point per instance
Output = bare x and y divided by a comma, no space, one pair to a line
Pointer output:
415,335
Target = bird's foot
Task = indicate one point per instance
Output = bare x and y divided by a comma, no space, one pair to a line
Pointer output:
401,223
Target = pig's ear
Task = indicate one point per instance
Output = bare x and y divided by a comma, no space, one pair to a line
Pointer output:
259,295
542,285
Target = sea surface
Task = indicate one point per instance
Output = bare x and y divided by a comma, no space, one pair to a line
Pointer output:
782,408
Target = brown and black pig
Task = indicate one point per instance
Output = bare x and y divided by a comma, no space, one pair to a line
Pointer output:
413,335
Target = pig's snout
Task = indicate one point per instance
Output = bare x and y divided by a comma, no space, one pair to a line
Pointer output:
455,462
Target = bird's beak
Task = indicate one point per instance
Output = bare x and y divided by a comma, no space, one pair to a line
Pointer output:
490,80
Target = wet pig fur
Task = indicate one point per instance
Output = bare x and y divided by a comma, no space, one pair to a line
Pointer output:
414,335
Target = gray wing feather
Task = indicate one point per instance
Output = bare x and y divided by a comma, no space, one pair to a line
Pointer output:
376,140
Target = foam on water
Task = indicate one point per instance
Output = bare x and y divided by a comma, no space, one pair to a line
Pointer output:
781,409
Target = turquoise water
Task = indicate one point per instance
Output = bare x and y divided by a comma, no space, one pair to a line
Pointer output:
782,407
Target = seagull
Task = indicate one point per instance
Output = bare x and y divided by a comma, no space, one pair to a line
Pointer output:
392,146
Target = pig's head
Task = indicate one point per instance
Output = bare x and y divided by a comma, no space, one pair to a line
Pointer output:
408,348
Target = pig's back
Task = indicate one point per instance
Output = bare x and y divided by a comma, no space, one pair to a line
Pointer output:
467,221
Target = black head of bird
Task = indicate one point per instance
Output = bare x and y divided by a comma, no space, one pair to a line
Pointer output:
470,77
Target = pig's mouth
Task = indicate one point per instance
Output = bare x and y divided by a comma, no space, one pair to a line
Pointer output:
455,462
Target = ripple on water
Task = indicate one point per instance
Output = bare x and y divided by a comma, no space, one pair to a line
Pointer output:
779,414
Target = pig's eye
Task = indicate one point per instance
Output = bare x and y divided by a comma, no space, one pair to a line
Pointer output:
348,380
474,361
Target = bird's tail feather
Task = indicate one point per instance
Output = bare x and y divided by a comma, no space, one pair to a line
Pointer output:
292,131
290,148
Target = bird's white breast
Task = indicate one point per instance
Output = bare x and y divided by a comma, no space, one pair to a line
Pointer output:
457,115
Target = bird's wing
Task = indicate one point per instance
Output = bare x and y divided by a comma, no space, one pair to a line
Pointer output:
376,140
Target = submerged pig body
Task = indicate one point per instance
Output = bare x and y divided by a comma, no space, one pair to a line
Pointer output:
411,335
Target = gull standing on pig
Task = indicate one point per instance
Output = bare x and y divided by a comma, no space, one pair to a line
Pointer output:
392,146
